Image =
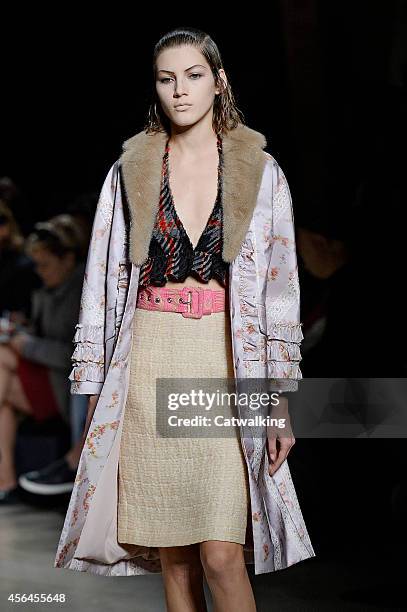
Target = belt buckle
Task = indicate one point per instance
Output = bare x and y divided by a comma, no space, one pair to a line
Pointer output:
198,294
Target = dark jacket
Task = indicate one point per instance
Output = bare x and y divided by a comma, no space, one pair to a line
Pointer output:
54,315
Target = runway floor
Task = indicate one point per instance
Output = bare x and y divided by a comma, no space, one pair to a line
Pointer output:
28,541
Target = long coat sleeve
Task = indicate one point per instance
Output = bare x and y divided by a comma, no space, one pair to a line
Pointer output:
88,358
282,301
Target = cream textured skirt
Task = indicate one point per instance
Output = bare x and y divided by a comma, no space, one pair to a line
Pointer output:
178,491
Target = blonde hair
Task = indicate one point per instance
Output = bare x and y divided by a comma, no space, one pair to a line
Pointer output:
226,115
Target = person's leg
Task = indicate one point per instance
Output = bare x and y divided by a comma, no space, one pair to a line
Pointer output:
8,428
12,399
226,574
8,364
183,578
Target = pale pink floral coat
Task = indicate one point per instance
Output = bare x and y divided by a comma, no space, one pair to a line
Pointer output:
266,335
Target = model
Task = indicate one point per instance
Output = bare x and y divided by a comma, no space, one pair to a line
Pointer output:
191,274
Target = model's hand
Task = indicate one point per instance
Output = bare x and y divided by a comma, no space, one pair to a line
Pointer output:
280,440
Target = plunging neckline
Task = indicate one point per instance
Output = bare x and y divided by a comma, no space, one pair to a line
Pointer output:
171,198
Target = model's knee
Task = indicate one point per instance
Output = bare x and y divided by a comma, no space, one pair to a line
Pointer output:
221,558
181,562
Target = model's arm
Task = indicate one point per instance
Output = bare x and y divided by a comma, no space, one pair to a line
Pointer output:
284,333
88,358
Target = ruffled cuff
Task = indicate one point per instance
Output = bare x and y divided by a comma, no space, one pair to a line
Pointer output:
277,350
86,388
88,352
88,359
284,369
290,332
284,355
93,372
85,332
283,385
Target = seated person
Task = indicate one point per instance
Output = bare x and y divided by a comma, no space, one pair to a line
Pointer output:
35,362
17,275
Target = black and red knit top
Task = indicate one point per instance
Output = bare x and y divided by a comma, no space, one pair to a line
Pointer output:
171,255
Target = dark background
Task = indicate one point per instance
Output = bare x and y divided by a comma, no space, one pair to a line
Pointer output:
326,83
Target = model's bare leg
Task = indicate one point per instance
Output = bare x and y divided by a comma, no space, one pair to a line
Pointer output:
12,401
183,578
226,574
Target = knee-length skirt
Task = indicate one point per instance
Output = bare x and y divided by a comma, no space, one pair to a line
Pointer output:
178,491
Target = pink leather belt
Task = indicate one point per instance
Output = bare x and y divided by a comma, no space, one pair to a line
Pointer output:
192,302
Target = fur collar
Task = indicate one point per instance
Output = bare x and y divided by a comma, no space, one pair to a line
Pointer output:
141,165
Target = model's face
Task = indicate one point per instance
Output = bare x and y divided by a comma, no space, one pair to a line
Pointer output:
185,77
